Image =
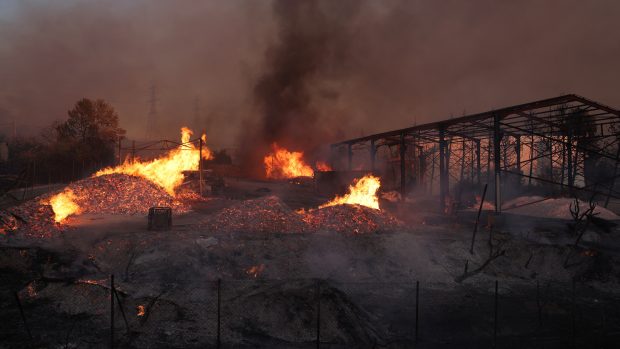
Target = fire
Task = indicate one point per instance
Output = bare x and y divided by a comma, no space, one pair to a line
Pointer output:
323,166
361,192
281,164
166,171
140,310
255,271
64,205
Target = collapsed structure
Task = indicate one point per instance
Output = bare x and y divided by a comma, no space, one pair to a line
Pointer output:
565,144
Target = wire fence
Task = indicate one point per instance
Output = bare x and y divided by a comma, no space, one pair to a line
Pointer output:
309,313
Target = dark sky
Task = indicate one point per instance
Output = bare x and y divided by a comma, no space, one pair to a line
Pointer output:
395,62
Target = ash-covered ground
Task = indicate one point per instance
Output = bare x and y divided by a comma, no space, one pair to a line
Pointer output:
288,272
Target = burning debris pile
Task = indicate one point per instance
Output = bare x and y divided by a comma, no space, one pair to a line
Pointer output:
266,215
349,219
32,218
109,194
271,215
120,194
134,186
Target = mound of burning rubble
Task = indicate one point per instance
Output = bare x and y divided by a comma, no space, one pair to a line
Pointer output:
121,194
33,219
265,215
349,219
271,215
109,194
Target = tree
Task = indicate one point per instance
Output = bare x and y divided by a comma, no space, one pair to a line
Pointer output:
90,132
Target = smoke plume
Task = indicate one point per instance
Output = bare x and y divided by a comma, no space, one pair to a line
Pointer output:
311,35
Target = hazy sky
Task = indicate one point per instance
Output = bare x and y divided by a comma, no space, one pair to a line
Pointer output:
396,62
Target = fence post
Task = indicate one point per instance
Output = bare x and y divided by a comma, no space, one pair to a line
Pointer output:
219,301
473,236
112,311
495,318
318,313
572,315
417,309
120,306
538,304
21,311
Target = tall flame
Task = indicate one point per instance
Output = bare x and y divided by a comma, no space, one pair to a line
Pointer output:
282,163
361,192
64,205
166,171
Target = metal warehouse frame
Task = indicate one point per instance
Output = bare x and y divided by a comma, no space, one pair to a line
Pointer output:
555,141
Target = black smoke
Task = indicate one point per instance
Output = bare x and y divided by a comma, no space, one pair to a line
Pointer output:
311,37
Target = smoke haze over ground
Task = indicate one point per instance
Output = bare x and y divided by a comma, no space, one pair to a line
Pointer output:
304,72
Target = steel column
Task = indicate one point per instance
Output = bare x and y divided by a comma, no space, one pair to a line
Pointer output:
443,175
518,151
497,138
478,169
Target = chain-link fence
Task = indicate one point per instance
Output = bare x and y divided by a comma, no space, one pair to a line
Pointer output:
309,313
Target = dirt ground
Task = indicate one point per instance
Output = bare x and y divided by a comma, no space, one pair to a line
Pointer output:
279,290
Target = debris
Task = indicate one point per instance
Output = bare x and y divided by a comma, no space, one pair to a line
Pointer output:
350,219
267,214
108,194
271,215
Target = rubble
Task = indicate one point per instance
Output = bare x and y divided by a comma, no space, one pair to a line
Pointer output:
32,219
271,215
109,194
122,194
350,219
266,215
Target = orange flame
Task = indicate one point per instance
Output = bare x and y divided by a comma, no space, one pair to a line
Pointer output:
281,164
361,192
64,205
255,271
140,310
323,166
166,171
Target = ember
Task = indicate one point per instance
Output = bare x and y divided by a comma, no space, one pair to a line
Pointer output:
282,164
167,171
255,270
361,192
